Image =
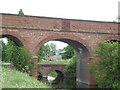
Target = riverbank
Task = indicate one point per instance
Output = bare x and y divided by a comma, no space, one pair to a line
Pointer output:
15,79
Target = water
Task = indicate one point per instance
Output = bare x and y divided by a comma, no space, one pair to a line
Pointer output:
63,83
50,79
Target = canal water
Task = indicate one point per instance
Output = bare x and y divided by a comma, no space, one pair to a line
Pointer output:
63,83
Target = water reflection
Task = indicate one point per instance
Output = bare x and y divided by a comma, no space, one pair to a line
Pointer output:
59,82
63,83
50,79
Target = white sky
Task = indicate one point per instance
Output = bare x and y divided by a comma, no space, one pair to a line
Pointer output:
60,45
98,10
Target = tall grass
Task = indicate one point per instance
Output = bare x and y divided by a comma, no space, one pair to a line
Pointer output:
15,79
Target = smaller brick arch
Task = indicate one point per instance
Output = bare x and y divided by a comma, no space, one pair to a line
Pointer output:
46,69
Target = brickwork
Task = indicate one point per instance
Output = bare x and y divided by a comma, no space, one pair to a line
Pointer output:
34,31
46,69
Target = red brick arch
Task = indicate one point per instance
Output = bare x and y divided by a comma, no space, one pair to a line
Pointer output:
55,37
15,35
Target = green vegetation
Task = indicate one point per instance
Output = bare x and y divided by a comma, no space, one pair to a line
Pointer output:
18,56
55,62
69,52
2,46
21,13
53,74
107,68
70,69
46,50
15,79
43,51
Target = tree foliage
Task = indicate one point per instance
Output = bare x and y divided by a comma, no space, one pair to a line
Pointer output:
46,50
107,68
70,69
18,56
52,47
43,51
69,52
2,47
21,13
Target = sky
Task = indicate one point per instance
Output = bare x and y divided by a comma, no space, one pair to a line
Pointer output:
96,10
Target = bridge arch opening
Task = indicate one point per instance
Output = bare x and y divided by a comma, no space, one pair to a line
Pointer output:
12,38
83,54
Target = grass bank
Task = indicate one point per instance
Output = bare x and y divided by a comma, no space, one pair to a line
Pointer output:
55,62
15,79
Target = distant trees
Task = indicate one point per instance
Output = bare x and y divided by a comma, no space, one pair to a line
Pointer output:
69,52
46,50
20,13
119,19
43,51
52,47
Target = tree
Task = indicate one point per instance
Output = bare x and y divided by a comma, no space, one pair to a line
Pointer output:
43,51
69,52
46,50
21,13
52,47
19,57
9,47
2,47
107,68
70,69
119,19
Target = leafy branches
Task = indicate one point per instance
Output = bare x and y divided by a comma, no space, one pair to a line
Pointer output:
18,56
69,52
108,66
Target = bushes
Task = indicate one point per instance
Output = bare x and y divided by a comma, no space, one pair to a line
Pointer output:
108,66
69,52
15,80
70,69
18,56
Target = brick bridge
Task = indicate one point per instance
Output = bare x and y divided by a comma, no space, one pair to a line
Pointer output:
46,69
33,31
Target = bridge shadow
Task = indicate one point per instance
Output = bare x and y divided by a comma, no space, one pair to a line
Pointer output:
59,78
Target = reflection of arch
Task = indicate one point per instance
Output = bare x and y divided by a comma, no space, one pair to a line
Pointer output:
15,37
63,38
